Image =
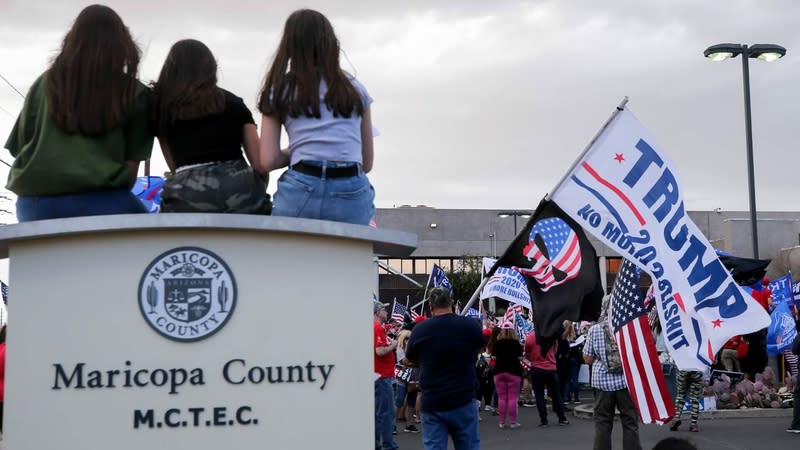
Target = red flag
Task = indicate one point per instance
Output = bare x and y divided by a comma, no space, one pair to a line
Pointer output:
637,348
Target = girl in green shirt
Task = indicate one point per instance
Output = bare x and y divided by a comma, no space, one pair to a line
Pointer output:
83,130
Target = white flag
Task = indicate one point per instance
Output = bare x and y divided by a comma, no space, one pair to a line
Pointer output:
508,284
625,191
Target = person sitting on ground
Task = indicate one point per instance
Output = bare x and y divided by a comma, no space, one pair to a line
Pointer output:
83,129
729,356
202,128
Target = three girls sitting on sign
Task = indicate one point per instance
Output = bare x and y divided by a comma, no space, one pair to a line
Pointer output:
88,122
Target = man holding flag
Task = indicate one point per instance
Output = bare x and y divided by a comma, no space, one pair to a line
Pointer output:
611,391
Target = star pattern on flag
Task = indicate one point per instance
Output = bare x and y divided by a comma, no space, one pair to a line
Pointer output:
619,157
629,303
554,231
717,323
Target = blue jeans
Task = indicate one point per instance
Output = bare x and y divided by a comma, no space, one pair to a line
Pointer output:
97,203
384,414
460,423
572,387
347,199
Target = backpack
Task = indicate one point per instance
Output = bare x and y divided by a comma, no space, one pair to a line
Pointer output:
482,367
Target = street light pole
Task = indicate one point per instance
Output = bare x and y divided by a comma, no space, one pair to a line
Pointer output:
748,126
766,52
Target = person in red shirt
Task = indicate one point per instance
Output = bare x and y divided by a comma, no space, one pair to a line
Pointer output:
384,373
542,356
729,356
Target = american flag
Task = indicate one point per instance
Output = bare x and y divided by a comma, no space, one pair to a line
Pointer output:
398,312
513,309
438,278
4,289
563,251
637,348
412,314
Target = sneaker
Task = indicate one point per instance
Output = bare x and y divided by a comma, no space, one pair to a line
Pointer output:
693,428
502,425
563,421
394,431
528,404
514,425
488,408
793,430
411,429
543,425
675,425
576,402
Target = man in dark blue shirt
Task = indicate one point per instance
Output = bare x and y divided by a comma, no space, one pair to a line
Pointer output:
446,348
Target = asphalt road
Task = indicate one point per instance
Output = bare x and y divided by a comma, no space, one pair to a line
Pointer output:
728,434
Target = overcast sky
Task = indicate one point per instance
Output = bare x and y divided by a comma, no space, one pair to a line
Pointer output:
486,104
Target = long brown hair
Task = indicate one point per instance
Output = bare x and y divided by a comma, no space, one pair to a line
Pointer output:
308,53
187,85
91,83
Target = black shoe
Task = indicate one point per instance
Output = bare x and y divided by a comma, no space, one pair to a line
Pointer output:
394,431
543,425
675,425
411,429
528,404
563,422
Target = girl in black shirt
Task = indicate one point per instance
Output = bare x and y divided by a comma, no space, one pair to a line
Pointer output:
202,129
507,353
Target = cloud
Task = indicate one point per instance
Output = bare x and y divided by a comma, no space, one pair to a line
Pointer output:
486,104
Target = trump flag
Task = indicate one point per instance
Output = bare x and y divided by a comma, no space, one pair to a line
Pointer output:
625,191
560,269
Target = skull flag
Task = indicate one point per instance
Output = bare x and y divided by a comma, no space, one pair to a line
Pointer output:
560,268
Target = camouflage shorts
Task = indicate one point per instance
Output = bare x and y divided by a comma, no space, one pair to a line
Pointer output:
224,187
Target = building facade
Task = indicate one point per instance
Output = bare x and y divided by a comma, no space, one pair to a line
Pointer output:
448,235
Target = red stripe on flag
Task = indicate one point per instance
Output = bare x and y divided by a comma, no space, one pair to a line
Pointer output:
650,383
622,343
661,395
639,350
710,351
616,190
679,301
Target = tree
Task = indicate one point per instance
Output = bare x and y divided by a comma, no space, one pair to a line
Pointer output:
465,277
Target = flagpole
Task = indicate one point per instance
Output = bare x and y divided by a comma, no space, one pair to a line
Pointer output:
620,108
477,291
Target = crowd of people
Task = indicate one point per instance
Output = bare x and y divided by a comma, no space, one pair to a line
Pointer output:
471,366
88,122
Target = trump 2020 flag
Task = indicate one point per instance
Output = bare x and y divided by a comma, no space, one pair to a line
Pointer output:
625,191
637,348
439,279
560,269
782,330
782,289
508,284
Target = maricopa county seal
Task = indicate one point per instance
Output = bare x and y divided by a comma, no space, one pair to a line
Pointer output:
187,294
